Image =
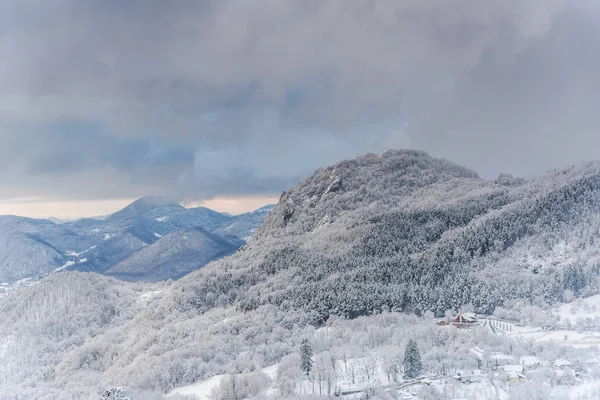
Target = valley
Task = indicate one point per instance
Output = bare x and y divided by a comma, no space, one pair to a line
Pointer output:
121,244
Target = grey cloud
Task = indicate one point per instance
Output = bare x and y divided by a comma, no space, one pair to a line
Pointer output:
263,92
115,57
533,112
244,168
79,161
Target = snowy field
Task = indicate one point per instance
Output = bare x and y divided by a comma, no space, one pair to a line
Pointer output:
577,326
205,389
200,390
588,308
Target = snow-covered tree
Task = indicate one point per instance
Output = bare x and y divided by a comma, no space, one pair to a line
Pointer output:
412,360
288,374
306,353
324,374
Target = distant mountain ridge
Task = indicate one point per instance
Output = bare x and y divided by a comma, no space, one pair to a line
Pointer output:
244,225
174,255
30,248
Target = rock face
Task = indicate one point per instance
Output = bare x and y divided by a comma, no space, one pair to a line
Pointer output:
30,248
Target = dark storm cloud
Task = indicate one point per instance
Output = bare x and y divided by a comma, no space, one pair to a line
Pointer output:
235,97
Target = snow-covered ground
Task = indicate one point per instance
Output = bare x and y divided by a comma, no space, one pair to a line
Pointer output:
75,254
146,297
64,266
570,316
202,390
6,288
567,337
580,309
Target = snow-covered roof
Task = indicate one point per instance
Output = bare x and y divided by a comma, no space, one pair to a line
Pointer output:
500,356
513,368
515,375
529,361
465,318
561,362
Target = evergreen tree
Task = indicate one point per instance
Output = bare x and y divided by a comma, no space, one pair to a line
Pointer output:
306,353
574,279
412,360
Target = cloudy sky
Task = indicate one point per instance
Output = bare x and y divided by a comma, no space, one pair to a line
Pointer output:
228,102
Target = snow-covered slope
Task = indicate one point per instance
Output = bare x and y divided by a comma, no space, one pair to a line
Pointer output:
23,249
173,256
244,225
146,205
581,313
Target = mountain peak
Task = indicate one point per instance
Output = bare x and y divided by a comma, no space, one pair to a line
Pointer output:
370,180
145,204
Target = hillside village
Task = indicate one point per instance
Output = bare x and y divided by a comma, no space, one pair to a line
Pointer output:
511,361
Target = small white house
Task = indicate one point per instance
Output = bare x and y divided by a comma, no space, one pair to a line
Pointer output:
530,361
513,368
497,358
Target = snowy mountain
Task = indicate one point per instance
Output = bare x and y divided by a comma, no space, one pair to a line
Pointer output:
170,213
358,260
173,256
146,205
31,248
244,225
406,231
24,250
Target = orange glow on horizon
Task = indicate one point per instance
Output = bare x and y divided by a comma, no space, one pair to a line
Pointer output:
36,207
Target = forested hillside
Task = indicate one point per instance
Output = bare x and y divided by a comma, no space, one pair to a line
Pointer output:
401,231
412,233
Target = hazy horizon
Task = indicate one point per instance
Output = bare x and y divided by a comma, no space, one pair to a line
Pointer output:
71,210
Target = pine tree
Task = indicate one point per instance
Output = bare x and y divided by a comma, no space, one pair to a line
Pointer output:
306,353
412,360
574,279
